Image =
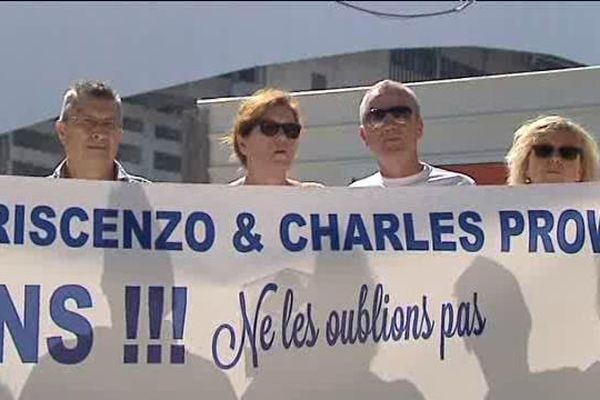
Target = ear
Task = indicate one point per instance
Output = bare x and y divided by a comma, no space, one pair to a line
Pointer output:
363,135
242,145
120,136
526,172
420,127
60,129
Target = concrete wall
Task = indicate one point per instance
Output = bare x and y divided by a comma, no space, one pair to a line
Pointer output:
467,121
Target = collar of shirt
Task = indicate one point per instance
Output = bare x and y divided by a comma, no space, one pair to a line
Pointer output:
121,175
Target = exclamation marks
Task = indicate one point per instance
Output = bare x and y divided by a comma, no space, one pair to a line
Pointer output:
179,304
132,314
156,300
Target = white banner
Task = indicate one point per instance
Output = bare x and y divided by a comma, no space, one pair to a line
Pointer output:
114,291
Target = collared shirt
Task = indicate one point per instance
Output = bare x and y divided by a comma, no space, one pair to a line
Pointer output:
121,175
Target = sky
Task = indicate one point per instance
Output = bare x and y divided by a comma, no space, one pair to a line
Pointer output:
144,46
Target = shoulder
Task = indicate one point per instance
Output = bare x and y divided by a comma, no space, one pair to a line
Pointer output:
306,184
125,176
137,179
58,171
238,182
369,181
444,177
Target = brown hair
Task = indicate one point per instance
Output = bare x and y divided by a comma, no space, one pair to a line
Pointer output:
251,111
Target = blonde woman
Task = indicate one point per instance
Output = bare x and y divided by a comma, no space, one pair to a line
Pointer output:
552,149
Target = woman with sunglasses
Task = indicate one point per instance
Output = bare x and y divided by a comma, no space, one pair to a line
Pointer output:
265,138
552,149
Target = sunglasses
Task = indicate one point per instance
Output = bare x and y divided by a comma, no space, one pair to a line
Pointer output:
290,129
565,152
377,115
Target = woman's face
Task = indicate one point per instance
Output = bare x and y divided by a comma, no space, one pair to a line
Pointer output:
273,149
555,158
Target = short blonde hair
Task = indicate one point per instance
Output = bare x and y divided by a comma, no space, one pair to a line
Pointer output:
252,110
528,134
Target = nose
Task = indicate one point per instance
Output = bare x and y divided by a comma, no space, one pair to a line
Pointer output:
99,134
555,162
280,135
555,158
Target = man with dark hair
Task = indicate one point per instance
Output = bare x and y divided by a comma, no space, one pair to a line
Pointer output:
90,129
391,127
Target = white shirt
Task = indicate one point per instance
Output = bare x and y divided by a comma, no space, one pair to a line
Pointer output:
429,175
242,181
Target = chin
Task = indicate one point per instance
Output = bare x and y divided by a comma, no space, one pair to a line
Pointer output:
97,153
281,161
395,141
393,150
98,157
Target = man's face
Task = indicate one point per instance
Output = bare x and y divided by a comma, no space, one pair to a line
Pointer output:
391,124
91,132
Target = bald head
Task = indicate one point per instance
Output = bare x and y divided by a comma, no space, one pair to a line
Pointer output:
386,86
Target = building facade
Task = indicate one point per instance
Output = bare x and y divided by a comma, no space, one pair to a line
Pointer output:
167,138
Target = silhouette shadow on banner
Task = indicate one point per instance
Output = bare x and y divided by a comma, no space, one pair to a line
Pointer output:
103,374
593,371
502,349
5,394
323,371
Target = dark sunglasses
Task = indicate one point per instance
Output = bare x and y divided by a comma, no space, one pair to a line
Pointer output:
377,115
270,128
566,152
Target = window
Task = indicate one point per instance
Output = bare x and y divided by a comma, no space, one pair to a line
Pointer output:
130,153
167,133
413,65
4,153
250,75
318,81
425,64
167,162
247,75
133,124
454,69
35,140
28,169
539,62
